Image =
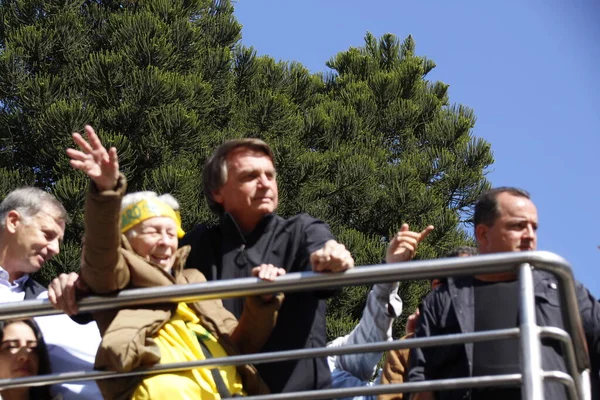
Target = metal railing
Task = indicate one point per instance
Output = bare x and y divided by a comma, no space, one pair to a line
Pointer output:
531,378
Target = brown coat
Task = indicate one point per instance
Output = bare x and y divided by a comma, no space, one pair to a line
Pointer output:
395,370
110,265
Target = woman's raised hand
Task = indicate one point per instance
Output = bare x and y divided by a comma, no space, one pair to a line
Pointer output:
101,165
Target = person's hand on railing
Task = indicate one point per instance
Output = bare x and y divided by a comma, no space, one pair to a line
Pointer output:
332,257
412,321
267,272
403,245
101,165
63,291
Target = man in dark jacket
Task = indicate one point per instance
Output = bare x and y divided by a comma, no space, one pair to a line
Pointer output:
241,188
505,220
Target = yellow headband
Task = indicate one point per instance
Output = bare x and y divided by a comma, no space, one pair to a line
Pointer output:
146,209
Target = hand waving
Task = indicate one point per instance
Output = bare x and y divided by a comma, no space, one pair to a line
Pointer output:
100,165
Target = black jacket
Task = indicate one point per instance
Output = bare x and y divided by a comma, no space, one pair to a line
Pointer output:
450,309
223,252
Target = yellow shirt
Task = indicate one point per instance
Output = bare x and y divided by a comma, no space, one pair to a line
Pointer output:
178,342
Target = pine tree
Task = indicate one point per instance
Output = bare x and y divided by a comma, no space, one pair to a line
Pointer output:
392,149
153,76
366,147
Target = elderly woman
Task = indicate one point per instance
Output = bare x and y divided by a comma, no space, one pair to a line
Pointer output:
131,242
23,353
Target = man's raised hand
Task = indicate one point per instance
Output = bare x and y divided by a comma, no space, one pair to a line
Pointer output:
403,245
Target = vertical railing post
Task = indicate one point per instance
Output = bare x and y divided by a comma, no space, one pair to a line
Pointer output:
582,382
531,358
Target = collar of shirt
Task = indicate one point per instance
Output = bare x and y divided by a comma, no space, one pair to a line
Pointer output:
232,232
17,285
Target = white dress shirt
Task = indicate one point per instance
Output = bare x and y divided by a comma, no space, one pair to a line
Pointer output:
71,346
10,292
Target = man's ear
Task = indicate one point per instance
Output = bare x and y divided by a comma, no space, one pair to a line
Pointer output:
13,219
217,196
481,234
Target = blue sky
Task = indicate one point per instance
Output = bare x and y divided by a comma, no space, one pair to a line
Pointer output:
527,68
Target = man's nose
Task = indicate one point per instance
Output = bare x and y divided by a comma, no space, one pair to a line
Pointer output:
53,248
530,232
263,180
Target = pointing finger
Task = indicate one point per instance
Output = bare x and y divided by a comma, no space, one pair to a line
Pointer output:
425,233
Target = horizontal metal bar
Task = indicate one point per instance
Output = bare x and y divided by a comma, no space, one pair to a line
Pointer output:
261,358
299,281
410,387
564,378
493,263
441,384
563,337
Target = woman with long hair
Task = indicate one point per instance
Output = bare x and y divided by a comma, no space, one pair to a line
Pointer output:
23,352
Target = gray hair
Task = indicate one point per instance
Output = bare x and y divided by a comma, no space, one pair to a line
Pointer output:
214,174
136,197
30,201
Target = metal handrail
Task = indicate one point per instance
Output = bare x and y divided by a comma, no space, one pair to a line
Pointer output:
237,360
261,358
510,380
568,352
495,263
531,362
567,380
426,269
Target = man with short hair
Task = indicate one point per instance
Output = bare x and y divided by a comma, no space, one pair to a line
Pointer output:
462,251
240,185
505,220
32,226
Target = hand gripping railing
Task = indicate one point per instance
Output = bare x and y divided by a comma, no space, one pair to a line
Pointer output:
531,378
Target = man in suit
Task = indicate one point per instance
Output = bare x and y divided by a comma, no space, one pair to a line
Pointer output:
32,227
